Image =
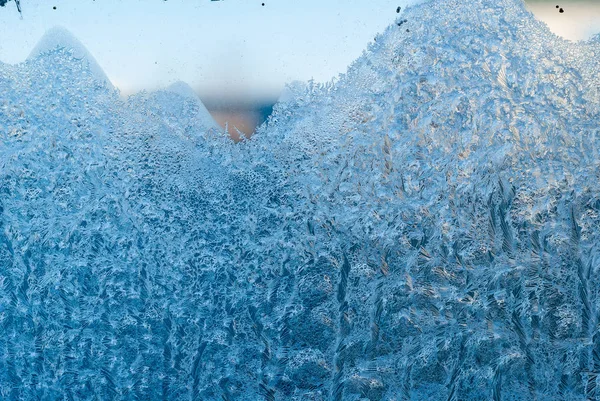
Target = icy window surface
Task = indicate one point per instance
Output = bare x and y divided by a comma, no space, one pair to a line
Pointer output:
426,227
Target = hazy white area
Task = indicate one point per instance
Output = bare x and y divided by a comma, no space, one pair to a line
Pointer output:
580,20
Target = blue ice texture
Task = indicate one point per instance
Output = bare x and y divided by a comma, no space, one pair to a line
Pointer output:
424,227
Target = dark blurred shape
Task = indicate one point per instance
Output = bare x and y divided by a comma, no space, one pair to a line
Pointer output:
239,117
17,2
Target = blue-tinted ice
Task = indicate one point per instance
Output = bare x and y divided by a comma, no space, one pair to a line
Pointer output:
426,227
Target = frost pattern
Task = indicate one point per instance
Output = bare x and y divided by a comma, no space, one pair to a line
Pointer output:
424,228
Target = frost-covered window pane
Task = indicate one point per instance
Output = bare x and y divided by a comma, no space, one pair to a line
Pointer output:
424,226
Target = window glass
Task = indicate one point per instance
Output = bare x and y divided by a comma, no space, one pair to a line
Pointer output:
299,200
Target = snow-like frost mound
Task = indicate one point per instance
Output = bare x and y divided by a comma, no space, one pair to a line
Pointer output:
424,228
59,37
184,90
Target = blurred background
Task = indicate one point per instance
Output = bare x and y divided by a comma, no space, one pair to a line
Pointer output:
236,54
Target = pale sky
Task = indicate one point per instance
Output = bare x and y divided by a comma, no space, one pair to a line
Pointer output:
229,48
